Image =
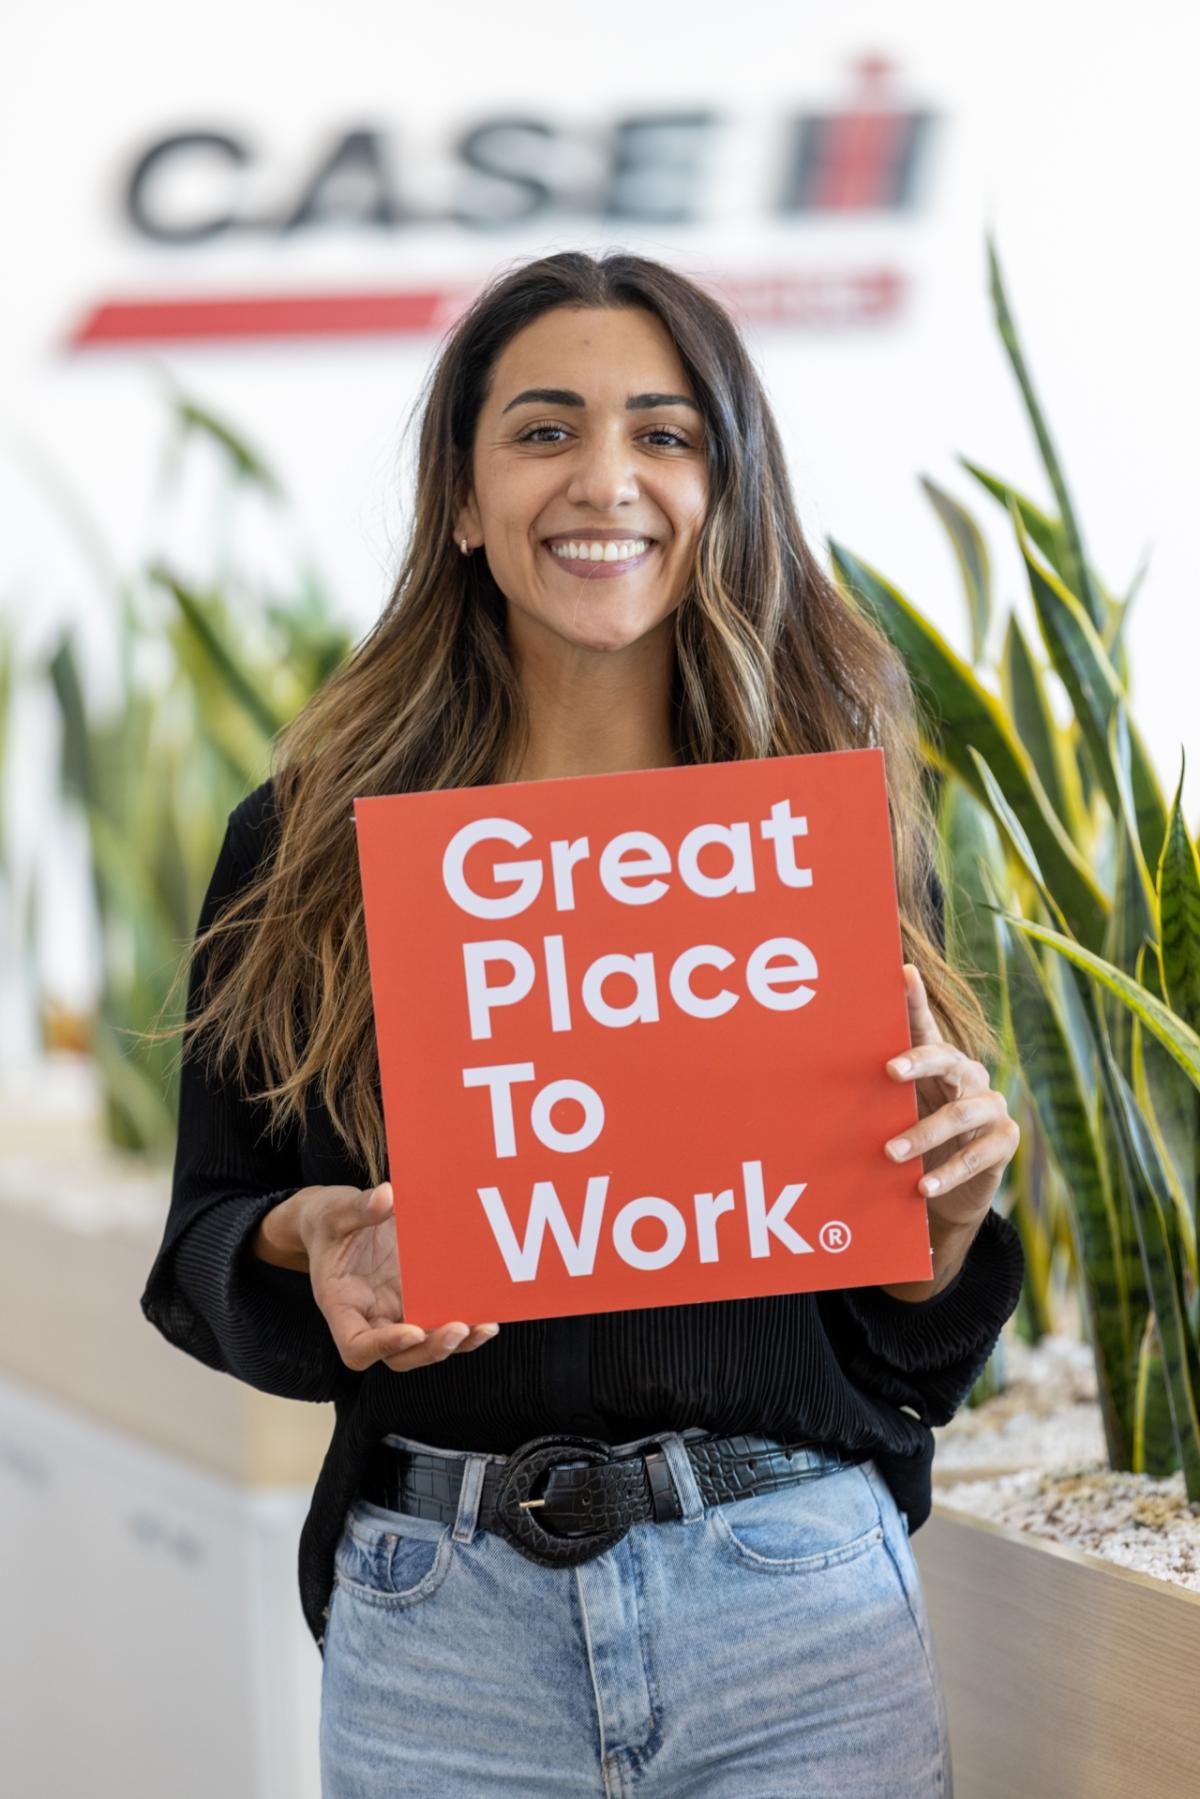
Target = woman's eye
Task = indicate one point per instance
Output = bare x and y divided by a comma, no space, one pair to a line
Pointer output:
537,434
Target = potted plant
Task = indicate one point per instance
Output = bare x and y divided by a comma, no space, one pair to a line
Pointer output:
157,770
1073,898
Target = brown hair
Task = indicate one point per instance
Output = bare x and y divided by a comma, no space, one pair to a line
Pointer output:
772,659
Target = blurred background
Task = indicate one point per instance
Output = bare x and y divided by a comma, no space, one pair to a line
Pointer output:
235,240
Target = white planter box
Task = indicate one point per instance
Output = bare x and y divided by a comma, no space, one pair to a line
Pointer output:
1066,1677
150,1512
155,1644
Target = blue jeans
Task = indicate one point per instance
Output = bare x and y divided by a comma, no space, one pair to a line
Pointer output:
770,1646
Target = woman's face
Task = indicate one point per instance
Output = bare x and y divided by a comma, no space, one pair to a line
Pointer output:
588,447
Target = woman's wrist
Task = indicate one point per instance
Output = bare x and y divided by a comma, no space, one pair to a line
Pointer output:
277,1239
949,1243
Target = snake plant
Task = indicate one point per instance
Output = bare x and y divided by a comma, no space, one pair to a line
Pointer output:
1073,891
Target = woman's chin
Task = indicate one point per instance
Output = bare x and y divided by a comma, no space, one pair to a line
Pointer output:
590,625
611,635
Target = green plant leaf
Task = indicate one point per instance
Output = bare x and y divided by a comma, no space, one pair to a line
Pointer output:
970,841
1034,1315
1154,1447
248,465
1078,574
1171,1108
1116,631
1130,927
1142,899
1015,834
1158,1240
963,713
75,763
139,1116
239,682
1049,749
969,546
1175,1036
1178,889
1059,1099
1046,532
1078,658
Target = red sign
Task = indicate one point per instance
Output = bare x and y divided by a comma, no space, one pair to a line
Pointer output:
632,1034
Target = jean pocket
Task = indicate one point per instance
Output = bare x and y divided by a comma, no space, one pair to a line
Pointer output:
389,1558
815,1523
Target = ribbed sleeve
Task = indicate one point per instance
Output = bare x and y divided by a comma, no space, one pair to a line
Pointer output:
927,1354
207,1293
262,1322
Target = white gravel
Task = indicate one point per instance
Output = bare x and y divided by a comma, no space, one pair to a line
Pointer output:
1134,1519
1041,1444
1047,1416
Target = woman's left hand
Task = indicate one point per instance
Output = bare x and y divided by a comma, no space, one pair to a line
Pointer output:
965,1131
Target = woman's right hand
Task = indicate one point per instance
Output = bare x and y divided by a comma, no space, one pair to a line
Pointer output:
347,1236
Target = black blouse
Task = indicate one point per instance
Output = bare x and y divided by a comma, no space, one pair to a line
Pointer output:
854,1366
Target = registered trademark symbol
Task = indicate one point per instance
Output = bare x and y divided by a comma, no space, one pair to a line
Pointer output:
835,1236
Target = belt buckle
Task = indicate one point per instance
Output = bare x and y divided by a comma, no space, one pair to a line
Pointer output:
516,1503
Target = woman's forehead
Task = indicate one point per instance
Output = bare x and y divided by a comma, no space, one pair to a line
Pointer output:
596,353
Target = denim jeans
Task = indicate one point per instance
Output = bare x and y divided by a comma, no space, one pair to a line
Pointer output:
769,1646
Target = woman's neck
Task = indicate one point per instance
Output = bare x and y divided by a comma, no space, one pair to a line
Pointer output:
598,714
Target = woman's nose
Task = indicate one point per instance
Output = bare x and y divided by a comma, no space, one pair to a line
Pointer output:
604,474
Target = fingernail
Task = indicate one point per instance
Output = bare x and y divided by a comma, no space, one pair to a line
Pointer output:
488,1330
899,1148
454,1338
930,1184
901,1065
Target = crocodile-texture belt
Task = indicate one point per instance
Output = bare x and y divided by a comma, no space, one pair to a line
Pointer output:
564,1499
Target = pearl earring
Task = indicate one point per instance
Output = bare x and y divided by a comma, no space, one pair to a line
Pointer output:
462,544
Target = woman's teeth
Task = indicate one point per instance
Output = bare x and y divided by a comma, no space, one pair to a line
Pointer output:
593,551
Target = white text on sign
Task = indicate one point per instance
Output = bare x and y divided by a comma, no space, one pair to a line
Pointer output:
630,858
765,1226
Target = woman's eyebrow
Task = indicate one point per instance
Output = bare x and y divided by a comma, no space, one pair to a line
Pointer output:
563,396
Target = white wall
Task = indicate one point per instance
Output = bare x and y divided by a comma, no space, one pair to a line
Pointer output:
1070,127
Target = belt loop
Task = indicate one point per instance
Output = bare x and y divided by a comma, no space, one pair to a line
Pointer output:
683,1474
468,1498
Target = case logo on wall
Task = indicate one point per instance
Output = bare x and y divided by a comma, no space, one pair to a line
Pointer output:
513,179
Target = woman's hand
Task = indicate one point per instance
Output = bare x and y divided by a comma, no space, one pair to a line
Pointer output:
346,1237
965,1131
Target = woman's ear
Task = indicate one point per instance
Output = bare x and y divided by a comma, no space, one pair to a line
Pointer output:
466,523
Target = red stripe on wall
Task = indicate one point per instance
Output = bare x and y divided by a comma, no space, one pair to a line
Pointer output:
808,299
269,315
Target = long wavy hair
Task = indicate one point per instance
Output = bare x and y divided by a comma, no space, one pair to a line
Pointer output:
771,659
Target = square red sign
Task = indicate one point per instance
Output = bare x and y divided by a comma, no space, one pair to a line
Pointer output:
632,1034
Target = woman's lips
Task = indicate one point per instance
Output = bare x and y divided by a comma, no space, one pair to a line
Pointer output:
588,570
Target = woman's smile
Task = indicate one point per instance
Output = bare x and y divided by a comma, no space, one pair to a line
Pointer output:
600,555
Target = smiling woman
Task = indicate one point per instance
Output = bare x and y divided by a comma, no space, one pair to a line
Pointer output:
666,1545
590,463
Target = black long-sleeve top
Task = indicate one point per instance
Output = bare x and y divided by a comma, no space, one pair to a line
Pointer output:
855,1366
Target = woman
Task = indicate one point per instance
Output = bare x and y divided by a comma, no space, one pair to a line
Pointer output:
605,573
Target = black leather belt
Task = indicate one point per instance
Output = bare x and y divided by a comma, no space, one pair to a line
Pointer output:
564,1499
